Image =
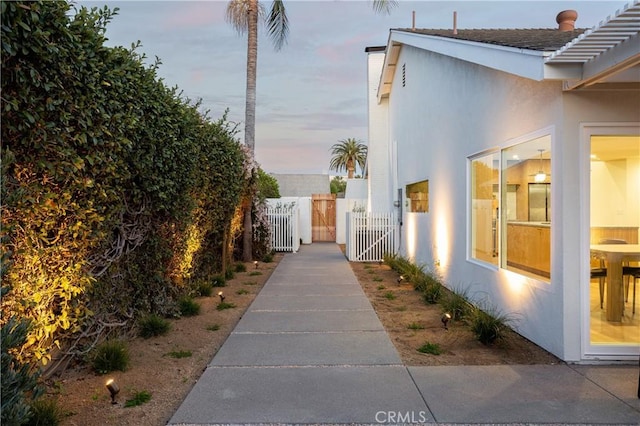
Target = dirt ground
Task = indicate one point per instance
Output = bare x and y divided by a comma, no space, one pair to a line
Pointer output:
83,396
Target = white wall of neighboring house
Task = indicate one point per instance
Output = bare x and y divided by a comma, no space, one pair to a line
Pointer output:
464,109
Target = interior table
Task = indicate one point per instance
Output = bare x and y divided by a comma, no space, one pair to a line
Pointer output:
615,255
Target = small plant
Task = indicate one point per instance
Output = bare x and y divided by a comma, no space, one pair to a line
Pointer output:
179,354
381,287
400,308
389,295
367,266
415,326
152,325
229,274
45,412
188,307
204,288
250,283
457,304
268,258
377,279
430,348
213,327
371,272
110,355
240,267
432,293
218,281
139,398
255,273
488,324
224,305
242,291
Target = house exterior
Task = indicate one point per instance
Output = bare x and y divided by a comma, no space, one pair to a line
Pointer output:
510,154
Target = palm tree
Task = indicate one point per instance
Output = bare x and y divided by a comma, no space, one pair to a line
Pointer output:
346,154
243,16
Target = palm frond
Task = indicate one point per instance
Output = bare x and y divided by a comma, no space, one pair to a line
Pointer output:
384,6
278,24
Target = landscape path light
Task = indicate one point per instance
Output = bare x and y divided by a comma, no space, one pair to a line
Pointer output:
445,320
113,388
221,297
255,263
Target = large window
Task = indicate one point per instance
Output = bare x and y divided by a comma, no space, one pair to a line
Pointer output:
510,217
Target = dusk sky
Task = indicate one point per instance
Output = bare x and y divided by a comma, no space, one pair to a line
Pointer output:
312,93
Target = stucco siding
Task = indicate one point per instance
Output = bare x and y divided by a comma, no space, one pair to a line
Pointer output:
447,111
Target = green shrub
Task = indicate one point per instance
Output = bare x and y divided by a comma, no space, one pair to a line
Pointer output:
255,273
219,281
415,326
18,382
152,325
389,295
432,293
139,398
179,354
45,412
224,305
240,267
203,288
430,348
268,258
242,291
457,304
188,307
488,324
213,327
110,355
229,274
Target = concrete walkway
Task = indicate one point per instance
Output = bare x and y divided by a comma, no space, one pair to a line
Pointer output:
311,350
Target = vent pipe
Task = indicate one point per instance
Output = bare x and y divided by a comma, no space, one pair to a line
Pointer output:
413,20
455,22
567,20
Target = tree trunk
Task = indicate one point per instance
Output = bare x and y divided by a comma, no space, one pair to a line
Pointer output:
250,116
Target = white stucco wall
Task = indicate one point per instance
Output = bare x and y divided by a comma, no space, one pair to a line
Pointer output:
380,182
450,110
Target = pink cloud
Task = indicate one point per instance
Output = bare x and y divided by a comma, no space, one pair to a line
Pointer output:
195,14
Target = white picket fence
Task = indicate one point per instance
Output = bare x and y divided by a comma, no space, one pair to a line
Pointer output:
370,236
285,232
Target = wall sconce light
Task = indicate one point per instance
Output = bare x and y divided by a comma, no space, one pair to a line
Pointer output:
221,296
255,263
445,320
400,279
113,388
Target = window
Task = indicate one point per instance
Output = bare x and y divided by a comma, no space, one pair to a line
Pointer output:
510,208
418,197
485,172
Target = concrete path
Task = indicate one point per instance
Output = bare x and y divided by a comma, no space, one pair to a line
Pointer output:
311,350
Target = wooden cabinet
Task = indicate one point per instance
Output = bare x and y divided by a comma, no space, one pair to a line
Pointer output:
529,247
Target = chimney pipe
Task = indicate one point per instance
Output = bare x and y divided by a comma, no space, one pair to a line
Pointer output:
413,20
455,22
567,20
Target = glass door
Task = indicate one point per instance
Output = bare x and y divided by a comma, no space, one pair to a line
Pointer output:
614,219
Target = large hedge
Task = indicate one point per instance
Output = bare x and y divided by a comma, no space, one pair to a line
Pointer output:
115,189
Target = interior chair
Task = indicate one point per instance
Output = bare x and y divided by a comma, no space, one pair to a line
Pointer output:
601,271
632,272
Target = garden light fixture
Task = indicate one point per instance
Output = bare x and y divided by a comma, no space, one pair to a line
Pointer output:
255,262
221,297
400,279
113,388
445,320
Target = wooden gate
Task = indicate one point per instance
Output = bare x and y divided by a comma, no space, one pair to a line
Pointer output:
323,219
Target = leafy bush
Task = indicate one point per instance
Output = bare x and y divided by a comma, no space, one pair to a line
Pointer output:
45,412
19,384
110,355
456,303
188,307
139,398
218,281
430,348
432,293
153,325
488,324
203,288
240,267
229,274
268,257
